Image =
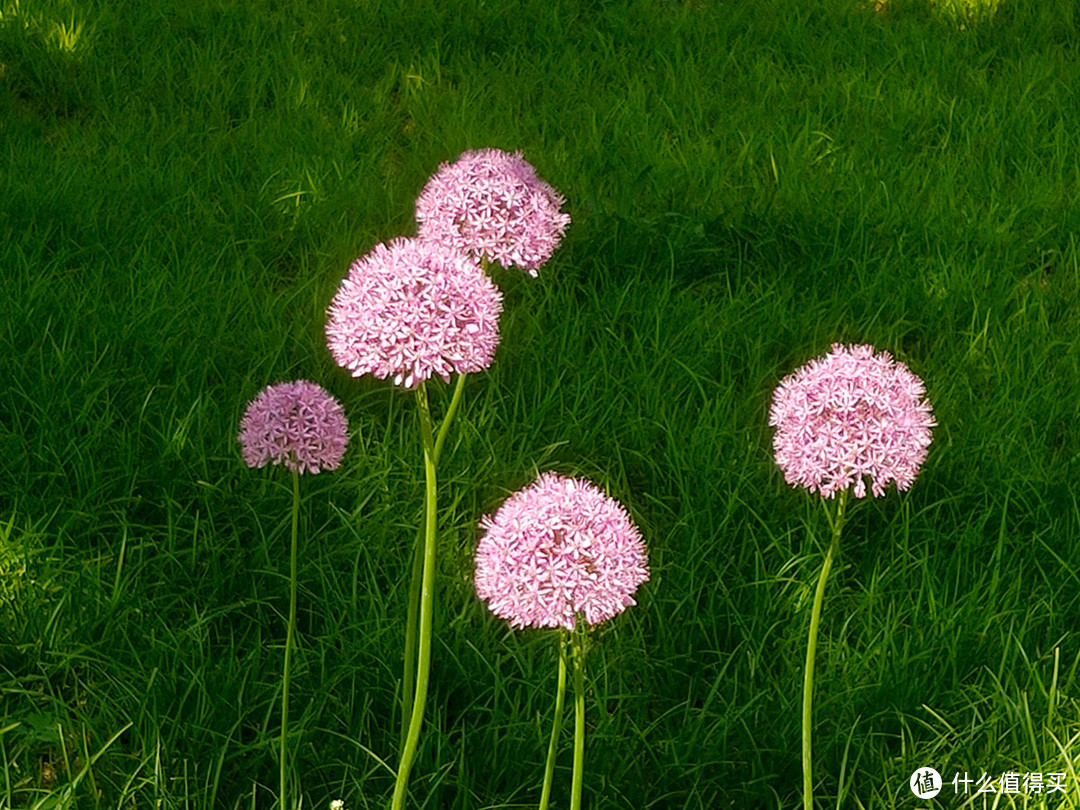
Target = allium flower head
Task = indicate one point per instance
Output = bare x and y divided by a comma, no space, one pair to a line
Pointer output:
493,205
297,424
557,548
410,309
850,414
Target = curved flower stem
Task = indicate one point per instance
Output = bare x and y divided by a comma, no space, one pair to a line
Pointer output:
455,401
578,641
556,727
414,581
283,799
427,597
811,650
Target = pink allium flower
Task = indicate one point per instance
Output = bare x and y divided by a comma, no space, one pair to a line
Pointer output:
850,414
410,309
557,548
492,204
297,424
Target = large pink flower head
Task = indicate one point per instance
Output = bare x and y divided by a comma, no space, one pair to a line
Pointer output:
410,309
847,415
557,548
493,205
297,424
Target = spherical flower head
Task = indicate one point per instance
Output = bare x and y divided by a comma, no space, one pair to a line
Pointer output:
493,205
850,415
558,548
411,309
297,424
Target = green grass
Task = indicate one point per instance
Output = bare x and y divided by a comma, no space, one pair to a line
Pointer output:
182,186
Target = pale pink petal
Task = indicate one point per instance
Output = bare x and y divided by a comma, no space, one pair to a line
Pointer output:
297,424
493,205
847,416
410,309
557,549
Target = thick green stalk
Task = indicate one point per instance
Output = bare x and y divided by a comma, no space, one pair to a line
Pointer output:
811,651
579,714
408,672
283,799
427,597
556,727
413,606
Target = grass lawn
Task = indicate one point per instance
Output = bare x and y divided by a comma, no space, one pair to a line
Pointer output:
184,185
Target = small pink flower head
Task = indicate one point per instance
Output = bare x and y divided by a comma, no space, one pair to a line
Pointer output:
410,309
492,204
850,414
557,548
297,424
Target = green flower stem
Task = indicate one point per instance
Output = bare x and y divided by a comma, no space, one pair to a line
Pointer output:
579,714
427,595
409,671
283,799
556,727
413,606
455,401
811,650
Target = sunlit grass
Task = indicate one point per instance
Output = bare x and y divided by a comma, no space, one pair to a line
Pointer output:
961,10
57,23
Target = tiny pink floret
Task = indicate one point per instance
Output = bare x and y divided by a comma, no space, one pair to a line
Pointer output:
558,548
493,205
297,424
411,309
847,416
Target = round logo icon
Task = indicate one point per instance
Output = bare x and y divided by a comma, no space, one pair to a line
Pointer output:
925,783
